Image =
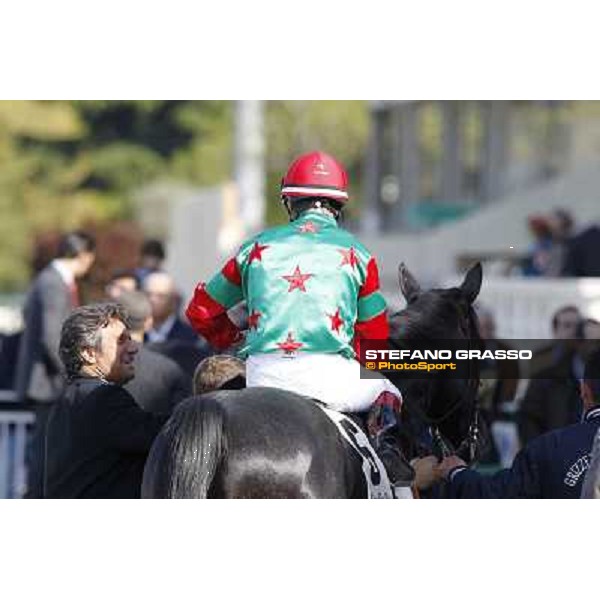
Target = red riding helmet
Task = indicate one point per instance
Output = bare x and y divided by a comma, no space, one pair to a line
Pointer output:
316,174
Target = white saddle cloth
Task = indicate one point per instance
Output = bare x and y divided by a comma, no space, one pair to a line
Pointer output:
378,483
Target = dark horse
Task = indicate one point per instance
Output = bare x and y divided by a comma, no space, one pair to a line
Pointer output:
440,414
270,443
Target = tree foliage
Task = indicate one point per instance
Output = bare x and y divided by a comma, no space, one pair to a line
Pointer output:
68,163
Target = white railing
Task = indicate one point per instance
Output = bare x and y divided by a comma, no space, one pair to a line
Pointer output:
15,427
523,307
11,319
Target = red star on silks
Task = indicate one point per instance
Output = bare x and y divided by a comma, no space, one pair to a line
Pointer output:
253,318
350,257
256,252
308,227
290,345
297,280
336,321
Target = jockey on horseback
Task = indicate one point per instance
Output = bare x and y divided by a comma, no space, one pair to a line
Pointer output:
312,292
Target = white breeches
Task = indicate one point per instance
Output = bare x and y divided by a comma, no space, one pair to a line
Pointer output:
331,378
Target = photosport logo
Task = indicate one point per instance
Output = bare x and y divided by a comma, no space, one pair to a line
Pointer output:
447,358
409,360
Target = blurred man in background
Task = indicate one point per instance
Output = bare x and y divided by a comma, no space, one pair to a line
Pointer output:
498,385
51,297
159,383
166,323
152,257
39,375
582,257
503,376
539,259
169,334
591,329
552,399
123,280
561,226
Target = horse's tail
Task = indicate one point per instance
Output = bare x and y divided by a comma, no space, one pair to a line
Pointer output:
187,453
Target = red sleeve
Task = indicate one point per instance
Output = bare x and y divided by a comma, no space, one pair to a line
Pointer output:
376,328
210,319
371,283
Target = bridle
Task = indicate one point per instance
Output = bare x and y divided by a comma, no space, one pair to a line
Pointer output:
471,441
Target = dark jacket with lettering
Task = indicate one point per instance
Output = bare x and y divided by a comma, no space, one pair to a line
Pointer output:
552,465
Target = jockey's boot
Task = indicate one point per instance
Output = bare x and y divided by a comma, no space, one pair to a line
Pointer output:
383,427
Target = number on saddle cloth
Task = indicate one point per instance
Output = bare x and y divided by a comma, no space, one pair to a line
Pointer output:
377,481
354,432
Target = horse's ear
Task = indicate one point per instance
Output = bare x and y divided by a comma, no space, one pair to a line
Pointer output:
471,286
408,284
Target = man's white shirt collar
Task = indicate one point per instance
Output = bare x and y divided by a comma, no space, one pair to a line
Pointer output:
159,334
65,273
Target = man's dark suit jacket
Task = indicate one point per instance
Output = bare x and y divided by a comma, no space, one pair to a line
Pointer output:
552,400
185,354
97,440
159,383
184,346
48,304
583,254
9,352
182,331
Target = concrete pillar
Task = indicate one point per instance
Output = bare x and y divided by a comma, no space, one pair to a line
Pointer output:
409,149
249,168
451,176
392,193
371,211
495,139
